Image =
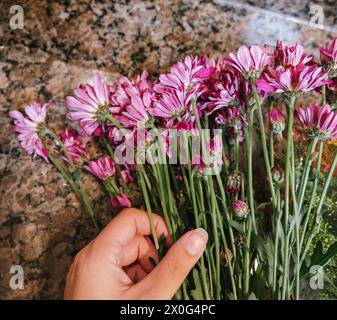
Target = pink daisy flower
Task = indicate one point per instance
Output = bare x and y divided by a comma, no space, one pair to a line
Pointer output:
136,113
290,55
103,168
187,74
134,98
74,145
126,175
318,122
301,78
233,121
124,89
121,200
329,55
250,61
30,127
174,107
171,104
89,106
225,94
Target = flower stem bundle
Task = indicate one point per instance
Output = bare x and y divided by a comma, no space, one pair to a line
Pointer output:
221,145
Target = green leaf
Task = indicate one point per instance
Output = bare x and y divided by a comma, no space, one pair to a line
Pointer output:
318,259
317,253
265,248
77,174
197,293
330,253
252,296
262,205
236,226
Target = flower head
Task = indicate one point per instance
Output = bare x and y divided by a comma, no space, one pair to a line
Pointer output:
233,184
233,120
290,55
29,128
103,168
136,113
174,107
300,78
133,98
226,256
226,93
89,106
74,145
278,174
188,74
126,175
250,61
240,209
212,160
329,55
121,200
277,120
318,122
123,89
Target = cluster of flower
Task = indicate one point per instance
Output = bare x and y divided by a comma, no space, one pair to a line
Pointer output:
222,91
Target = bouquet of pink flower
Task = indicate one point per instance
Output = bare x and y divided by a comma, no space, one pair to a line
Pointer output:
191,143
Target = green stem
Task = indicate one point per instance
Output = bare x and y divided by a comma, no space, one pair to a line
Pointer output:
323,95
306,171
326,186
287,198
84,195
247,260
148,207
276,239
236,153
249,146
320,206
297,223
213,206
196,218
87,203
230,267
79,194
227,215
62,146
215,239
313,193
114,121
264,144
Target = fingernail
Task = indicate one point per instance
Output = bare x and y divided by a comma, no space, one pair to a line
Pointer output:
196,241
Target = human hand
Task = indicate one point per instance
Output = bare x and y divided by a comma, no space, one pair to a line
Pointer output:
116,264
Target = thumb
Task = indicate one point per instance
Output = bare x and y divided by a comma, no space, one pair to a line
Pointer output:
166,278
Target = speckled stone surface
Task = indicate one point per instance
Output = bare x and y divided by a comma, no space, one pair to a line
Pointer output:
303,9
63,43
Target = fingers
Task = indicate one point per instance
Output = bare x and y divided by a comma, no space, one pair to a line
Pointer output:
135,272
140,248
129,223
166,278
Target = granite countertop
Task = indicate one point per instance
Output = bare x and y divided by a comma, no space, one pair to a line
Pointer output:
63,43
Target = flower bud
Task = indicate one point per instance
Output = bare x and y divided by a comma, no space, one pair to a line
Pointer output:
278,174
240,209
277,120
329,56
226,256
233,183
